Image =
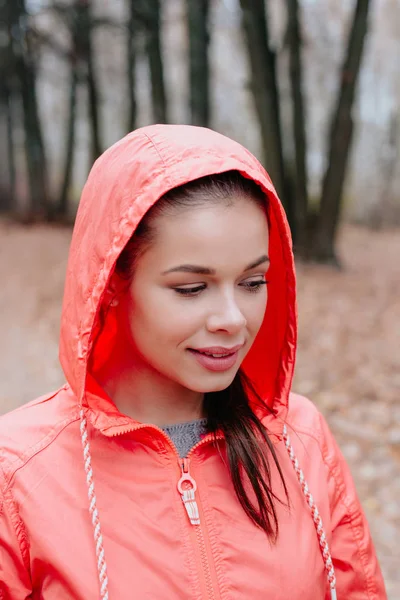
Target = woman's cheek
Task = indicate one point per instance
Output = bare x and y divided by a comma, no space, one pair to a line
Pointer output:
257,313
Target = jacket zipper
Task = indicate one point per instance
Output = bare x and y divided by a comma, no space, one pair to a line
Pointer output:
187,488
188,484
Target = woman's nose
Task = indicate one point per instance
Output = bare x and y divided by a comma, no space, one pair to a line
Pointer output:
227,316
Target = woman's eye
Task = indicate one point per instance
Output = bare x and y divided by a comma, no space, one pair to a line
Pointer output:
254,285
189,291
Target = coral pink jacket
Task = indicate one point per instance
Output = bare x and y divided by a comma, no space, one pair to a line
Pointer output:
106,519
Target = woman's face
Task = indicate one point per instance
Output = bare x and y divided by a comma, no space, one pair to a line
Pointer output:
198,295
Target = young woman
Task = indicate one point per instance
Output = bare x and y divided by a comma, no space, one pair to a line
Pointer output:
176,464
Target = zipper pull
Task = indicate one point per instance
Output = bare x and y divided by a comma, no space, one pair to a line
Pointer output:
187,488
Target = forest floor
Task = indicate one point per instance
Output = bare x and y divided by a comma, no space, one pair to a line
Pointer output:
348,356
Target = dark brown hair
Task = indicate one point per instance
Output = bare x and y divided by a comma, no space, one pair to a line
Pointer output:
248,445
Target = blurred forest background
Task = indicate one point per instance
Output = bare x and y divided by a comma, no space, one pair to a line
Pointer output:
311,87
299,83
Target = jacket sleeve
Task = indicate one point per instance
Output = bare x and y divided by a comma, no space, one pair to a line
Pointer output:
358,575
15,581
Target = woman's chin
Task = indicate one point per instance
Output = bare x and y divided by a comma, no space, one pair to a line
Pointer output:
207,385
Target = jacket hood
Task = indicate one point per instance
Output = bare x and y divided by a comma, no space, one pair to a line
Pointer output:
122,185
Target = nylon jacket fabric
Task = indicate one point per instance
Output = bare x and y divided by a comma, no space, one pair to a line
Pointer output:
152,550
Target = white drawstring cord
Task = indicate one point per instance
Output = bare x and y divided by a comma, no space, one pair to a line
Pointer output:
98,538
326,555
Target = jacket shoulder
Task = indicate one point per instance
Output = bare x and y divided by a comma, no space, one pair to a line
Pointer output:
307,423
303,413
30,428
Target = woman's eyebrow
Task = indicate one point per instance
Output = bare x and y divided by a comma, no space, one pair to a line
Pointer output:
263,259
207,271
190,269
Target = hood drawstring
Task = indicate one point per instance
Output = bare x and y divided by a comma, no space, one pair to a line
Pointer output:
326,555
98,538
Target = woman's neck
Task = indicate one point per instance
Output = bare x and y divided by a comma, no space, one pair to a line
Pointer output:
148,397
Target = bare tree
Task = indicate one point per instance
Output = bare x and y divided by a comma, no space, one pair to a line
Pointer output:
340,139
300,195
7,150
10,198
78,19
81,24
150,14
20,82
265,92
389,160
199,71
63,201
85,27
132,29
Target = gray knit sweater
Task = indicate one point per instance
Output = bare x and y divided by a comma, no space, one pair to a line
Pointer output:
186,435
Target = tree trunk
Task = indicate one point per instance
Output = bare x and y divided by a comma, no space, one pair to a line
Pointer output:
94,108
199,72
265,90
153,46
86,42
11,153
82,36
7,163
340,140
296,82
34,146
63,203
389,161
131,60
25,76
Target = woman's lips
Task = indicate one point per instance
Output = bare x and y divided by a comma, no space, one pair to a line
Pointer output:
218,349
216,358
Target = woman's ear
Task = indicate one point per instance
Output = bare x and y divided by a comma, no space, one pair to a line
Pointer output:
116,287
